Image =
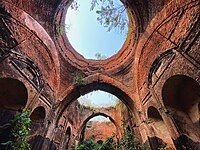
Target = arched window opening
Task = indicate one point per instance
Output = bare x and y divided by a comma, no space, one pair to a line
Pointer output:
154,115
13,94
67,138
37,117
13,98
158,126
100,128
181,96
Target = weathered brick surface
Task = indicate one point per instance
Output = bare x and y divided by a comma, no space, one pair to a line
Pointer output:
163,42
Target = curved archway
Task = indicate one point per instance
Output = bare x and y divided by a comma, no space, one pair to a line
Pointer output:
97,82
37,117
83,126
13,98
181,96
153,114
159,128
13,94
67,138
38,114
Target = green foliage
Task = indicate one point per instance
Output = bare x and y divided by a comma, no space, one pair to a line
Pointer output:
127,142
99,56
108,144
90,144
79,78
111,15
162,148
20,130
60,30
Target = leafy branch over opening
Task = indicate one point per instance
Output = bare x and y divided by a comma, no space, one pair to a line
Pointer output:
111,15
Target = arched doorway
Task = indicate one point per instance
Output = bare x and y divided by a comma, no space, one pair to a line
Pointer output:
159,128
74,92
85,122
37,117
67,138
13,98
181,97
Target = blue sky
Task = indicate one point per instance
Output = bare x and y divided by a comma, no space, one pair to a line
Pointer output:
88,36
98,99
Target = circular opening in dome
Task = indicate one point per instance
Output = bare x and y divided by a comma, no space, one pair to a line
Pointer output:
96,29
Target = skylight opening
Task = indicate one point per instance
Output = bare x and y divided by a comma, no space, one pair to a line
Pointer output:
88,32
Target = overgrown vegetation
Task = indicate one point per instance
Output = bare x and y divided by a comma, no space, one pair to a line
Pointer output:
90,144
19,132
79,78
127,142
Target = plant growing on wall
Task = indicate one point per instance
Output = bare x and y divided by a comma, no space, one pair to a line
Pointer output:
79,78
19,131
129,141
90,144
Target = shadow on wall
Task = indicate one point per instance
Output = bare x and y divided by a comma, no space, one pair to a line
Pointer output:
37,119
159,129
41,143
181,97
67,138
13,98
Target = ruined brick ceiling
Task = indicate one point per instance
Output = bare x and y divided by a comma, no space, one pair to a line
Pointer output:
44,10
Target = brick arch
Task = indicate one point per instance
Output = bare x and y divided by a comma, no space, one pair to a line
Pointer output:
180,95
38,114
83,125
97,82
37,117
158,129
9,98
184,120
13,98
37,44
152,44
67,138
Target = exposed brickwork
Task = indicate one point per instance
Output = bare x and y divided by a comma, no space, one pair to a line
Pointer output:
163,43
